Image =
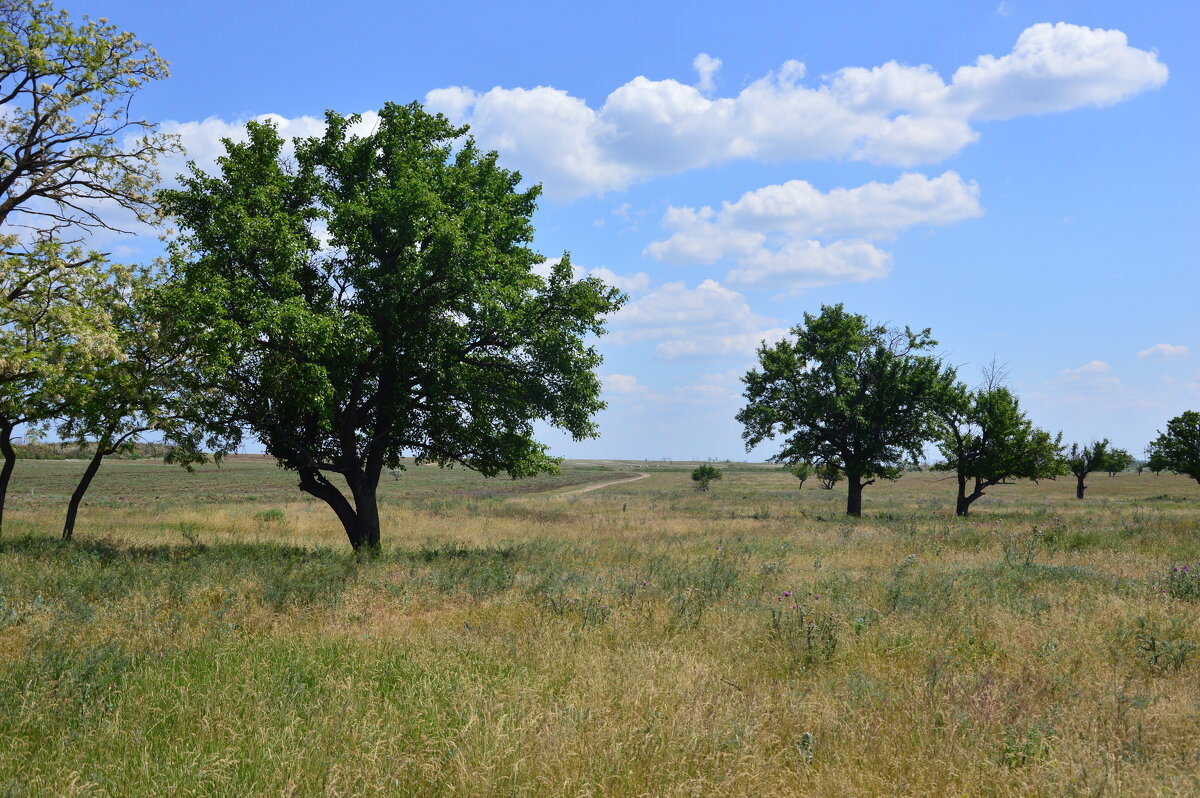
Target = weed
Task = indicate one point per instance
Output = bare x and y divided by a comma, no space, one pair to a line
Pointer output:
1183,582
1161,649
803,636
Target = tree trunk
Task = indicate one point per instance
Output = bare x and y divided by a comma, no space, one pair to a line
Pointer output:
360,521
854,495
10,462
962,506
85,481
1079,486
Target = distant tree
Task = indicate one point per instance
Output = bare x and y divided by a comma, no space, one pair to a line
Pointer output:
801,471
986,439
1117,461
1178,449
374,297
1083,460
705,474
1139,466
845,391
829,474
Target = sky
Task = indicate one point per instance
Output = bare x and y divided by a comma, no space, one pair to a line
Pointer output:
1018,176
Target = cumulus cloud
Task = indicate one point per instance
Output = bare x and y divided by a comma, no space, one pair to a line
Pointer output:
709,320
623,385
706,67
1166,352
1091,367
893,114
772,233
1055,68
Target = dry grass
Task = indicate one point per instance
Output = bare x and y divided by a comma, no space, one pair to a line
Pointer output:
630,641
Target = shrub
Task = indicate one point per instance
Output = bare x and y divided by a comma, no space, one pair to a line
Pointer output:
705,474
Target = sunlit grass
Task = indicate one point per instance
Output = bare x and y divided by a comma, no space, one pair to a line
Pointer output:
644,639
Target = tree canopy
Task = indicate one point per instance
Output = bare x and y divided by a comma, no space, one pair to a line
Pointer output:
374,296
71,154
987,439
1082,460
1178,449
845,391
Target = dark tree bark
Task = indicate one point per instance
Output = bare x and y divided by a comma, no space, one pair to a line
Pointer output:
88,474
1079,486
360,520
854,494
10,462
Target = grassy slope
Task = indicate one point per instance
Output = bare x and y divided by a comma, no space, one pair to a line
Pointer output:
629,641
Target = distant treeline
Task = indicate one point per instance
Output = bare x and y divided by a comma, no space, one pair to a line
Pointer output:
77,451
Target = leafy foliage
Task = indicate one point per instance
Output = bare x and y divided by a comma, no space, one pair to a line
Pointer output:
846,391
987,439
1083,460
705,474
1178,449
377,299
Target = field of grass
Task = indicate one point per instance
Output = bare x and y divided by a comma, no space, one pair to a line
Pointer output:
211,634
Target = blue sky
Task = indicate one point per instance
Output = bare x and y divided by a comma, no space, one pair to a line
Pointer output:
1020,177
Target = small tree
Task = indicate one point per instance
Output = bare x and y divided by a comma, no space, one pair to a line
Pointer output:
703,475
801,471
374,297
848,391
1117,461
986,439
1178,449
1083,460
147,384
828,474
1139,466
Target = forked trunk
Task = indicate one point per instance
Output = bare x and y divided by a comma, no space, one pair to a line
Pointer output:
10,462
360,520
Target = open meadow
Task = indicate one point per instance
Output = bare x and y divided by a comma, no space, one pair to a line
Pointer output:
213,634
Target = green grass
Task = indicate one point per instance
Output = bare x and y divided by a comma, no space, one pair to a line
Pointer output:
211,634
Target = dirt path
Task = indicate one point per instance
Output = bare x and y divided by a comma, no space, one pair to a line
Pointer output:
599,485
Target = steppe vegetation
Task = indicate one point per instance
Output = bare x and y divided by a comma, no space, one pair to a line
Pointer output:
212,634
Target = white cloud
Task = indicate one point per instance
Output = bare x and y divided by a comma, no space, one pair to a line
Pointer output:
1055,68
718,345
1091,367
805,264
1166,352
892,114
623,385
771,232
709,320
706,67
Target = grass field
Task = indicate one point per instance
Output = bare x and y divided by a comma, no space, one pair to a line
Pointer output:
211,634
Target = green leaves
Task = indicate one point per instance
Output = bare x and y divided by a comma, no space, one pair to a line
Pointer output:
844,391
1178,449
376,298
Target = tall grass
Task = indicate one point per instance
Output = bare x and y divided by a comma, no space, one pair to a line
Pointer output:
638,640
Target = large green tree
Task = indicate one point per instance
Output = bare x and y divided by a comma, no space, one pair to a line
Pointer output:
986,439
845,391
374,296
1178,449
